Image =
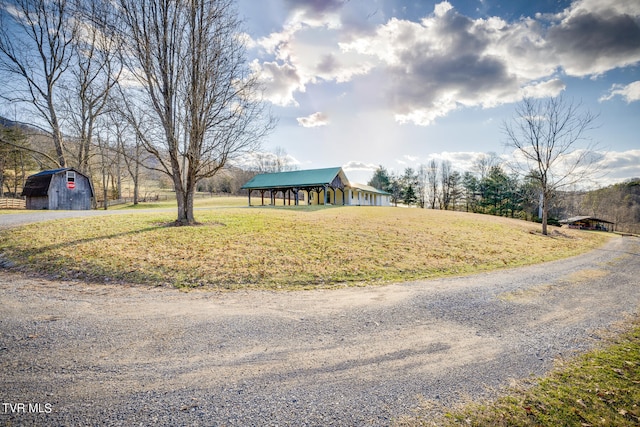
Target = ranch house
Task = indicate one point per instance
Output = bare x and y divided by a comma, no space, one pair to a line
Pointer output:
58,189
328,186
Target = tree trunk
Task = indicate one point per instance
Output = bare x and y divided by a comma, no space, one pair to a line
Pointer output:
57,139
105,189
185,207
184,195
545,213
136,178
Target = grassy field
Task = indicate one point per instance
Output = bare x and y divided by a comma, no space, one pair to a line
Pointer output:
306,247
202,200
288,248
600,388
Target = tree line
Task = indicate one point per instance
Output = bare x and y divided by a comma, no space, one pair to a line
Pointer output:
489,188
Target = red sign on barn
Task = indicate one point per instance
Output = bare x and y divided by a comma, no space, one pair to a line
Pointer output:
71,185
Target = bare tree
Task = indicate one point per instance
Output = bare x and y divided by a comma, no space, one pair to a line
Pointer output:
551,146
445,188
189,62
432,181
35,46
269,162
422,186
95,71
131,152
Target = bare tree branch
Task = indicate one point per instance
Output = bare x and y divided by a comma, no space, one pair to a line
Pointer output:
39,55
189,60
550,139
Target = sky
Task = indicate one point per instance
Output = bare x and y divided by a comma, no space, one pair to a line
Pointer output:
368,83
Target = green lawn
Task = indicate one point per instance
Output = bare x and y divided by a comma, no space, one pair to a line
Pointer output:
285,247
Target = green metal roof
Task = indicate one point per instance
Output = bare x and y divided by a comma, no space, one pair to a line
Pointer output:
305,178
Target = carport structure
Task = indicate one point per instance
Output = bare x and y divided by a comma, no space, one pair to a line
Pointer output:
314,182
588,223
322,187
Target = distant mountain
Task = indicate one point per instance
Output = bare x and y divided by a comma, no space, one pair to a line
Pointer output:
7,123
25,127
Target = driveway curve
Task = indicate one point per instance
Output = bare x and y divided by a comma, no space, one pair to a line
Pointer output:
124,355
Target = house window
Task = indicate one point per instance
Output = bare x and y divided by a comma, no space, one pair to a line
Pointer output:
71,176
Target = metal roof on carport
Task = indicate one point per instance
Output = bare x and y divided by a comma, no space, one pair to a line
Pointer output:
304,178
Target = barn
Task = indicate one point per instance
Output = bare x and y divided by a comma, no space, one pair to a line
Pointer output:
58,189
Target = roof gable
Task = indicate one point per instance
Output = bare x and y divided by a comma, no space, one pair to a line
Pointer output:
304,178
37,185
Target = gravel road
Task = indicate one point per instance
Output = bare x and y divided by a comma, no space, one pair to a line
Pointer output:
80,354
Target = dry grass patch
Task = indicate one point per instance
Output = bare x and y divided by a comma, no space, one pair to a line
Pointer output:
533,292
584,275
288,248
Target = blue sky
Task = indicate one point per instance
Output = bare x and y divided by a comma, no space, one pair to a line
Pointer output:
362,83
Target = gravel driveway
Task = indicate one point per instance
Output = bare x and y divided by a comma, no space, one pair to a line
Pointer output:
79,354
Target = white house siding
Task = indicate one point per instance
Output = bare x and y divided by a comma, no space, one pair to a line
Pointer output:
357,197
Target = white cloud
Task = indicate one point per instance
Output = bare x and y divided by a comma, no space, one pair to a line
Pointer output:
621,164
593,37
280,80
629,93
425,70
313,120
354,165
441,9
613,167
543,89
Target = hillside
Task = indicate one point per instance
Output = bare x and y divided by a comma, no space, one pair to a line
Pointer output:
619,203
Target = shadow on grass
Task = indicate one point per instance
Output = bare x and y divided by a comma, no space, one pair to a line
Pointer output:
61,245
